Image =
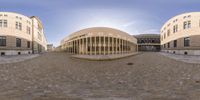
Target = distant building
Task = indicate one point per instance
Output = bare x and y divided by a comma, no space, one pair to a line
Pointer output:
50,47
58,49
148,42
181,34
20,34
99,41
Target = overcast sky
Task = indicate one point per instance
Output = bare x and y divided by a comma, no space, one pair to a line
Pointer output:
63,17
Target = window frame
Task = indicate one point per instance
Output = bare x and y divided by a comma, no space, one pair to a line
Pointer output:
18,42
2,41
175,43
186,41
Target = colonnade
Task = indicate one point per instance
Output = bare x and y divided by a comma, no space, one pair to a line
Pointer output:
99,45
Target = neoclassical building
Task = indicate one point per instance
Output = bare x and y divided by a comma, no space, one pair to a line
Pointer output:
20,34
99,41
181,34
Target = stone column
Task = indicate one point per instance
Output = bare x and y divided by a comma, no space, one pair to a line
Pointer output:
69,47
108,45
79,46
129,48
90,45
82,45
100,44
112,45
122,46
75,44
117,45
66,47
84,42
86,46
104,45
73,47
95,46
126,46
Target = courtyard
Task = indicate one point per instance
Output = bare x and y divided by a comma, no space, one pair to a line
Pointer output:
57,76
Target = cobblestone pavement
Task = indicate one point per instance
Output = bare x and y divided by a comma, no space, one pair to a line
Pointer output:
103,57
16,58
184,58
56,76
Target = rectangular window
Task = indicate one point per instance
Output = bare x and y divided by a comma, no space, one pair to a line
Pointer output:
186,42
189,24
5,23
168,45
18,25
175,28
18,42
186,24
1,23
28,29
2,41
175,43
28,44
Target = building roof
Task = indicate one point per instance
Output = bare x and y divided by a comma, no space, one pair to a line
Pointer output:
99,31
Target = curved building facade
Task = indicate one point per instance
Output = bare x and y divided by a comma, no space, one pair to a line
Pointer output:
99,41
18,33
181,34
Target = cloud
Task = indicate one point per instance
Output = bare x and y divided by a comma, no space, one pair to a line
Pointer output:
129,24
154,31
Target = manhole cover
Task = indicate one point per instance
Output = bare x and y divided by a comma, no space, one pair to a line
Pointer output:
197,81
129,63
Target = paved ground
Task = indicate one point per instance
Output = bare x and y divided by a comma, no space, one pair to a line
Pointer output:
184,58
55,76
104,57
16,58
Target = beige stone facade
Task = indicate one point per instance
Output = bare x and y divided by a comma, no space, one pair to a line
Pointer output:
99,41
17,32
181,34
39,39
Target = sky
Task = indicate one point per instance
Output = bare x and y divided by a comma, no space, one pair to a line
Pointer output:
63,17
